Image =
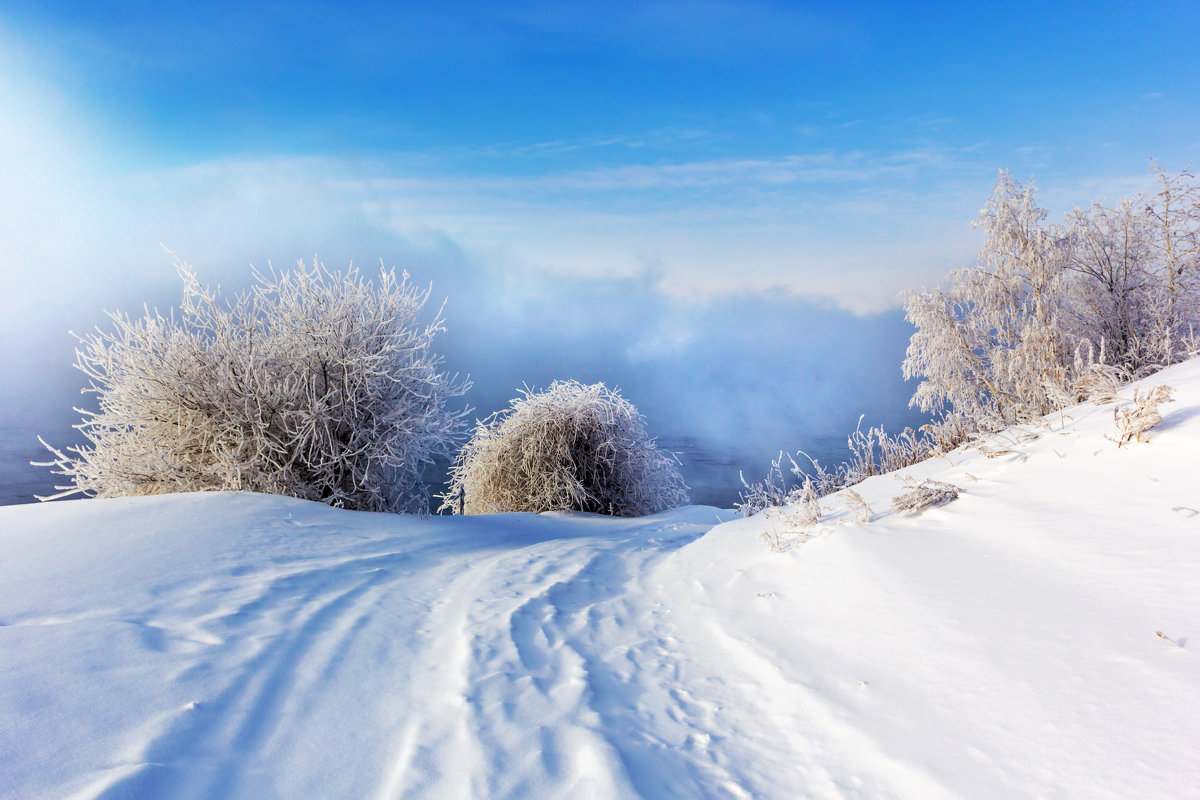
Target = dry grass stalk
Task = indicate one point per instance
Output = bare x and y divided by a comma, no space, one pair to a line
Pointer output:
857,506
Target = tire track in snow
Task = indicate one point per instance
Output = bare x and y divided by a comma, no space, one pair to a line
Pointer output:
560,664
439,751
517,665
434,695
235,722
629,653
529,681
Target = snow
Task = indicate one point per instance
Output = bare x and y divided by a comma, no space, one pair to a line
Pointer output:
1004,644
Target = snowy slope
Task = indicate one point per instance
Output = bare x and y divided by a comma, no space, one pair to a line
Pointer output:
1004,645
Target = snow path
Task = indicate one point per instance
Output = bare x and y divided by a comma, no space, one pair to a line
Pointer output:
245,646
500,657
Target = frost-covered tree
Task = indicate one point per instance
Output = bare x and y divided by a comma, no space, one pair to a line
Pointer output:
1110,287
990,340
570,447
1136,282
1051,314
315,384
1174,214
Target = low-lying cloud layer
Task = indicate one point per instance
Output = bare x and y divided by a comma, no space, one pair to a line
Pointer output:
719,332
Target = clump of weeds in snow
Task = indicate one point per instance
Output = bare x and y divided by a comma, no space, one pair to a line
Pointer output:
874,452
1096,381
1003,443
809,506
793,524
787,530
857,506
994,452
770,492
1142,414
926,494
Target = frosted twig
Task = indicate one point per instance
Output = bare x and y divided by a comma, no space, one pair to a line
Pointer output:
1162,635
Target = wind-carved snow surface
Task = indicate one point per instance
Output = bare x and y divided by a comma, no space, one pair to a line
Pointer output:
1037,636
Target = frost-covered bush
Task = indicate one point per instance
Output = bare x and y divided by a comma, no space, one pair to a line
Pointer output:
570,447
315,384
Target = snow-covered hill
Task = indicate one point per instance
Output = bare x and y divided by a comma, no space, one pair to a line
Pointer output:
1039,636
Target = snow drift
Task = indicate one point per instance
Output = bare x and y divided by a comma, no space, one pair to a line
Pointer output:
1035,636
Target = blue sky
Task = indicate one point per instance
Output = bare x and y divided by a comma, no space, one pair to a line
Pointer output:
618,83
835,150
640,193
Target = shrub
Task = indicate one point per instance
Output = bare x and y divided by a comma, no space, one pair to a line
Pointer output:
570,447
314,384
